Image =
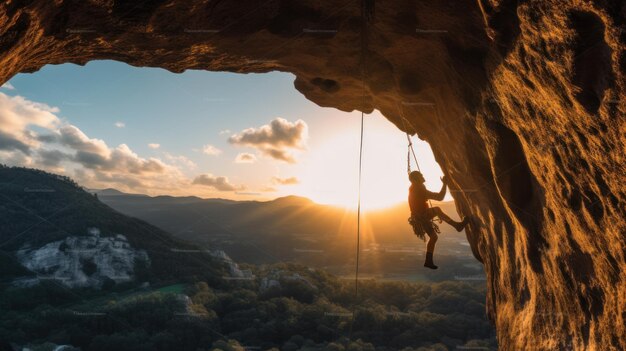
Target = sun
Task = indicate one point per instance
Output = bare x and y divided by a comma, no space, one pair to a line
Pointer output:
330,173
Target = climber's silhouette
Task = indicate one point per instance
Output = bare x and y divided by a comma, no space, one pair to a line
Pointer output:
422,215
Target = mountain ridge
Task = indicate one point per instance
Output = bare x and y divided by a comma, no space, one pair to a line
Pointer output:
44,210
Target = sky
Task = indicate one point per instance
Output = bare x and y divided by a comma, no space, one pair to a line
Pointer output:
208,134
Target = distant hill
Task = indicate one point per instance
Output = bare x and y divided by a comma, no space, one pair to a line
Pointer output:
54,229
110,192
192,217
294,228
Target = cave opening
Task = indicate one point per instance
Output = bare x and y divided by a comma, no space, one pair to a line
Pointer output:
144,134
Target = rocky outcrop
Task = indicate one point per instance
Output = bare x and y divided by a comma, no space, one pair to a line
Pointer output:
82,261
235,273
522,102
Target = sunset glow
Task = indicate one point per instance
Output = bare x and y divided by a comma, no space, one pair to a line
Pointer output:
206,134
330,173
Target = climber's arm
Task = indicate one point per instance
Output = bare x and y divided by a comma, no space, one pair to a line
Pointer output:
441,194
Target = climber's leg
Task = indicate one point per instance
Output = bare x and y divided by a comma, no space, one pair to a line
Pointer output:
430,247
436,211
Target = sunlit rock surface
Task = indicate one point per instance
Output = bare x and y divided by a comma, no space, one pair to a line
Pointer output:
83,261
235,273
522,102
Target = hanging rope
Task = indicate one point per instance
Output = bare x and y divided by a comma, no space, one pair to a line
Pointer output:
367,15
358,215
410,151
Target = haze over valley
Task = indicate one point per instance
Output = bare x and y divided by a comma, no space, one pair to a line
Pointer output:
295,229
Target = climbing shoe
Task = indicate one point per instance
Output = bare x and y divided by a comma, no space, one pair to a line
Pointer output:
459,226
429,261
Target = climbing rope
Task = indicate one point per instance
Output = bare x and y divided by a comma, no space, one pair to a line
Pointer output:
367,13
410,150
358,215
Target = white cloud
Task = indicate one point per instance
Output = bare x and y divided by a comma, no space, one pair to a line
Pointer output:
120,124
279,132
63,148
17,114
7,86
74,138
211,150
276,139
180,160
225,131
245,157
154,146
16,158
218,183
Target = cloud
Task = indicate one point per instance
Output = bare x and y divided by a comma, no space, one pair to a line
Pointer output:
120,159
276,139
211,150
74,138
10,142
91,160
285,181
7,86
15,158
225,131
180,160
280,155
123,158
245,157
17,116
120,124
31,135
218,183
95,154
129,182
154,146
279,133
52,158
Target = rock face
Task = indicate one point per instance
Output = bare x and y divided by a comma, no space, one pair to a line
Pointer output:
83,261
522,102
235,272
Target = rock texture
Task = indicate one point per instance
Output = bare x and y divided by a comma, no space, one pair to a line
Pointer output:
83,261
522,102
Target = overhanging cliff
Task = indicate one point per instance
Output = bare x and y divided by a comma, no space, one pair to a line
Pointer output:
522,102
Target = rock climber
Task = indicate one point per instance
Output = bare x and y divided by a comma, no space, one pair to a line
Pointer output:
422,214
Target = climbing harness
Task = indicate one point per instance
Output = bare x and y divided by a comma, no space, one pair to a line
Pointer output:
423,226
